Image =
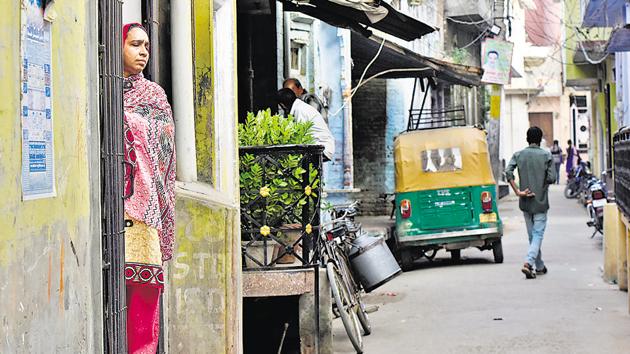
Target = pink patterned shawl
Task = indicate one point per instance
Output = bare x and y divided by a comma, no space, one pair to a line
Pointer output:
150,149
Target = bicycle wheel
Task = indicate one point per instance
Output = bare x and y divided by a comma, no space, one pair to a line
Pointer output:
354,289
364,320
344,306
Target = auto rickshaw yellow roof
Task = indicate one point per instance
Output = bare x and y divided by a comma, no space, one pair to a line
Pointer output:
417,170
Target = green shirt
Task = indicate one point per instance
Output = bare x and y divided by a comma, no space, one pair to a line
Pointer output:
536,172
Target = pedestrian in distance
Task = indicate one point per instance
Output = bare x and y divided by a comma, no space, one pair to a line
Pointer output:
303,112
558,159
149,185
573,157
536,172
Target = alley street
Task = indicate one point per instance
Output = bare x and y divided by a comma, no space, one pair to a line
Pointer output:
481,307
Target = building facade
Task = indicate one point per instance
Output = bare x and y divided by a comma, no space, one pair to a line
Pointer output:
52,265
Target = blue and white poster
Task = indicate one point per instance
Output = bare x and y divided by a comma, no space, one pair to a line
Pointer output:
38,169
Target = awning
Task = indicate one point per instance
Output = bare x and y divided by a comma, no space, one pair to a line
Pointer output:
394,57
619,41
360,14
604,13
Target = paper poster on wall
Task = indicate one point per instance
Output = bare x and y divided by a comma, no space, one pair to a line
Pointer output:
496,61
38,170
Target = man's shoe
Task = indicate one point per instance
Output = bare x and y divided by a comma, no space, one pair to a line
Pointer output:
528,270
542,271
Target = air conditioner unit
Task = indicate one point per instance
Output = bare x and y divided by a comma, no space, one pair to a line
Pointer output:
581,124
582,131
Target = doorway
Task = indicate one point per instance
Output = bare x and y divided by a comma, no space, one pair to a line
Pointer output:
543,121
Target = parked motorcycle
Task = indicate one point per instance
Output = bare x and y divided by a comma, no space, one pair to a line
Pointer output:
584,195
577,176
597,198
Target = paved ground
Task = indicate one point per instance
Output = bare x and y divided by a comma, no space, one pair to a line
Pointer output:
482,307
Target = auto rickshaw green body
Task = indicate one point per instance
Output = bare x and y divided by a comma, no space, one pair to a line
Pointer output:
445,194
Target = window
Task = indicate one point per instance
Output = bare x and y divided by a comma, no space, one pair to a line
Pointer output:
441,160
298,59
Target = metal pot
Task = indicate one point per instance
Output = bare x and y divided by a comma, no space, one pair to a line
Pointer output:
372,261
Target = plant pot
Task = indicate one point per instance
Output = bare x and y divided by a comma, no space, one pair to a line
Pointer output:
257,251
291,233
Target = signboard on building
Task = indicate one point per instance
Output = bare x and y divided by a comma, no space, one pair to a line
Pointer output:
36,104
496,61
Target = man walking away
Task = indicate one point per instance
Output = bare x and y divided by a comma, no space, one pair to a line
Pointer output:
536,173
556,153
303,112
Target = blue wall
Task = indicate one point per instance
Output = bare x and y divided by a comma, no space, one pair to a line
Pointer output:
328,71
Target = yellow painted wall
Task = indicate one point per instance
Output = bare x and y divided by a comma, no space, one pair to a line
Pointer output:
49,248
202,287
204,283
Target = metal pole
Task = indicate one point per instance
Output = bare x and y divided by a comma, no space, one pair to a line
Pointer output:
111,117
424,98
413,97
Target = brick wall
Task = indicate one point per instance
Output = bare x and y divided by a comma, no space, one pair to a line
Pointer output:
369,115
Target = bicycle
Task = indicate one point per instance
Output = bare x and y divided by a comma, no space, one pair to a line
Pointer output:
345,290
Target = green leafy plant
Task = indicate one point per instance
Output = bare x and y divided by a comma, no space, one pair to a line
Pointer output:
275,190
459,55
265,128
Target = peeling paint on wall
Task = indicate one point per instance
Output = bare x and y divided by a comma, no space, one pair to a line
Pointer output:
200,286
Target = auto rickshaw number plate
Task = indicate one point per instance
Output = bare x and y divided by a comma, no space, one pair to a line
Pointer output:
489,217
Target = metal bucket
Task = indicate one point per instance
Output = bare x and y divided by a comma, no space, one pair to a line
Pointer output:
372,262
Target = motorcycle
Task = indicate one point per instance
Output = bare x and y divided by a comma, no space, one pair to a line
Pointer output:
585,189
577,176
597,198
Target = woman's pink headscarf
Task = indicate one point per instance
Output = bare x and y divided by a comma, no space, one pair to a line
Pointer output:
128,27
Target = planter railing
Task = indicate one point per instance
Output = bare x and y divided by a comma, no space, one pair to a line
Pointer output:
280,206
621,146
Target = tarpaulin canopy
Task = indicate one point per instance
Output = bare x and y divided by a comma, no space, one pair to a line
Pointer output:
360,14
395,57
619,41
413,151
604,13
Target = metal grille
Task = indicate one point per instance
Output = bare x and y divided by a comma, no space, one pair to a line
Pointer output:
280,195
420,119
111,116
621,143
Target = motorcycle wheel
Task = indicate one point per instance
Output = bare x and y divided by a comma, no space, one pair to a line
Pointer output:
570,192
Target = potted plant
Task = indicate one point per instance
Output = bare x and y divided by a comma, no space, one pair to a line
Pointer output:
271,192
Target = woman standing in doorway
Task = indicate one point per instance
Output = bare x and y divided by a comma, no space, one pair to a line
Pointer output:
556,153
149,134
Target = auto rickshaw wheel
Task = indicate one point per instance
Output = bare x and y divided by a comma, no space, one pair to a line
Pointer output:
406,259
497,251
456,255
430,254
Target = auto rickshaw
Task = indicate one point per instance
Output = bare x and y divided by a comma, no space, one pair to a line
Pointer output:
445,194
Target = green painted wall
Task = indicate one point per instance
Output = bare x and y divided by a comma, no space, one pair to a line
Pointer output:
49,248
572,19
